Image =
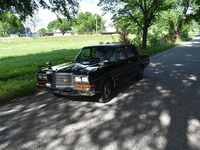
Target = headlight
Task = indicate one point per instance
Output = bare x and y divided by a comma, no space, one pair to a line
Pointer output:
45,77
42,77
84,79
78,79
81,79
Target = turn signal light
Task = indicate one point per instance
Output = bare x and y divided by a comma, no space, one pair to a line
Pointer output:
44,82
84,86
78,85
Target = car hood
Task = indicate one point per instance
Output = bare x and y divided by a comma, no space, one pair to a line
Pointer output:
76,68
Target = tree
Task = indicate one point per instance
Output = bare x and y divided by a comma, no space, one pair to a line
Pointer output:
42,31
24,8
189,27
196,14
179,16
161,23
32,21
123,28
62,24
9,22
141,12
86,22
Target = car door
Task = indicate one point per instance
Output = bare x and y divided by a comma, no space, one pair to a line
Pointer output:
133,61
120,73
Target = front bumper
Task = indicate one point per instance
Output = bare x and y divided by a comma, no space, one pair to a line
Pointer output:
68,90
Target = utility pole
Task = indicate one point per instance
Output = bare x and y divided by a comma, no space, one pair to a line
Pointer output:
25,32
96,24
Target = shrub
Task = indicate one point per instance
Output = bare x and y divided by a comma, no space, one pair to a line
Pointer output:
100,42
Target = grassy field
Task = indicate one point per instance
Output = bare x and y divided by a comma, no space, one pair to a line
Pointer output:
21,58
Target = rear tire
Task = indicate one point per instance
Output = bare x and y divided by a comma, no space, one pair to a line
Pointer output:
106,92
140,74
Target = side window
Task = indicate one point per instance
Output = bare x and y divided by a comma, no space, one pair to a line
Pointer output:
98,52
110,53
130,51
121,54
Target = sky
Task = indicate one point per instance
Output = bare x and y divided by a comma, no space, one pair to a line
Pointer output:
47,16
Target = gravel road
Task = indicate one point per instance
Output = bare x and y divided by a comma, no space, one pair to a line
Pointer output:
160,112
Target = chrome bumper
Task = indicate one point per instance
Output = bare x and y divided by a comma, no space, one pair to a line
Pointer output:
68,90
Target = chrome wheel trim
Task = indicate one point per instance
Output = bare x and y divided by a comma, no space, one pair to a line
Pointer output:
107,90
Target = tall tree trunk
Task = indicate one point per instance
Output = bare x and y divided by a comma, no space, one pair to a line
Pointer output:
4,32
8,33
182,22
144,38
172,29
63,32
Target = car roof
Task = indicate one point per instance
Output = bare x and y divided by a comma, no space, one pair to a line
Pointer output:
106,45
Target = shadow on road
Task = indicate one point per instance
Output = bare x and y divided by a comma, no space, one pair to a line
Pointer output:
159,112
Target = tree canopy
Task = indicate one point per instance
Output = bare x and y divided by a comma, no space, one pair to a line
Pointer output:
9,22
86,22
32,22
24,8
180,15
170,15
123,27
180,18
141,12
42,31
62,24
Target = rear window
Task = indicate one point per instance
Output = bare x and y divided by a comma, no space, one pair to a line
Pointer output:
121,54
131,51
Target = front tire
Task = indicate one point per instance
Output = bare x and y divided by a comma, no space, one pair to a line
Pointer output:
56,94
106,92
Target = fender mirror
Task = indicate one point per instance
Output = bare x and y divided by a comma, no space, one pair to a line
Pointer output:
49,64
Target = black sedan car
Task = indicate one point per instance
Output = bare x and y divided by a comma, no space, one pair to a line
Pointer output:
95,70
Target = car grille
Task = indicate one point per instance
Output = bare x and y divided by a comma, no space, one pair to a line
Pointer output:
60,79
50,78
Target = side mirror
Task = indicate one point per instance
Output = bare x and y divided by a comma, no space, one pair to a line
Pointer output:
49,64
105,62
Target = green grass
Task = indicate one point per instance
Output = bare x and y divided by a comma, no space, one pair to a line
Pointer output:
21,58
157,49
24,46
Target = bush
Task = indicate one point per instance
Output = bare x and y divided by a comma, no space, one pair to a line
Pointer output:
187,37
123,37
156,49
152,39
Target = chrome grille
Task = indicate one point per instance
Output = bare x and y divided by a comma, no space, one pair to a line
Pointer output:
51,78
63,79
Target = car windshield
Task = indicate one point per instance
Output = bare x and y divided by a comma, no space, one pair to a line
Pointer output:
96,54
